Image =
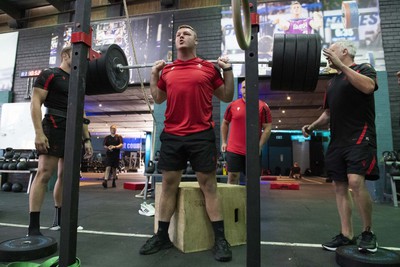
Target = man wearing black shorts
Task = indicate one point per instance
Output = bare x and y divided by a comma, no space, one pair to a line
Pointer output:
51,90
188,85
113,144
351,156
234,122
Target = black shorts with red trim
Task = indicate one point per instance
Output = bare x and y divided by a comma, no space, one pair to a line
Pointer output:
199,148
358,159
54,129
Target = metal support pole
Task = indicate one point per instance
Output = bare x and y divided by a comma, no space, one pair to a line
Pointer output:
73,141
252,148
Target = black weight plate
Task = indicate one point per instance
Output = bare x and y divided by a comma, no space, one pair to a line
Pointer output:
289,57
351,257
104,77
300,62
277,62
27,248
92,83
118,80
313,63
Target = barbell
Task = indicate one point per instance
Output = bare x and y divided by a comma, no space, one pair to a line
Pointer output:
295,66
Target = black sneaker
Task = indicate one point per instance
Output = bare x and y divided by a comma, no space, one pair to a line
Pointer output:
155,244
368,242
105,184
338,241
222,250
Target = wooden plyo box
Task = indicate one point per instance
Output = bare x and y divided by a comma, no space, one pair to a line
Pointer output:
190,228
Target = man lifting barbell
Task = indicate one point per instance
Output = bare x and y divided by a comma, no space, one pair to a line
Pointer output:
351,156
188,85
51,90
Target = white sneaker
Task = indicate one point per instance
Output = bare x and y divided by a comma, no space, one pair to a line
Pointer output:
55,228
147,209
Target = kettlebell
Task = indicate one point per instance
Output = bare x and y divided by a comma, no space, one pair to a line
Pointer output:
9,153
16,187
6,187
157,155
32,155
150,167
22,164
12,165
5,165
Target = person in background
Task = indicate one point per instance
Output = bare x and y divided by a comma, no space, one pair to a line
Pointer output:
351,157
113,144
234,123
295,171
51,90
297,24
188,85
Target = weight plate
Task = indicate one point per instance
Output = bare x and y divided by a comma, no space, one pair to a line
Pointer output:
27,248
349,256
313,63
289,57
300,62
277,62
103,76
350,14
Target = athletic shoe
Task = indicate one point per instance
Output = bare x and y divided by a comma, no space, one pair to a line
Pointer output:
222,250
155,244
147,209
339,241
368,242
55,228
105,184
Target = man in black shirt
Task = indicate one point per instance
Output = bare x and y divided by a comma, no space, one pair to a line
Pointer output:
112,143
351,156
51,90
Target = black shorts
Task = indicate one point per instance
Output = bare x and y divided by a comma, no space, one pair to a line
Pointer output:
54,129
112,161
356,159
235,162
199,148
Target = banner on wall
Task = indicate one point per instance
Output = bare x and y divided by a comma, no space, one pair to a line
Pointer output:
152,40
320,17
8,52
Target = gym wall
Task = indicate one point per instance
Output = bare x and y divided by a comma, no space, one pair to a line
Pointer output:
390,19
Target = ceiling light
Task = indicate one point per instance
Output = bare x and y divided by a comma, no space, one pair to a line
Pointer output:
100,105
279,121
276,126
283,111
288,97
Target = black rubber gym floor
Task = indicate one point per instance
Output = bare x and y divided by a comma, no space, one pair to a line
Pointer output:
293,225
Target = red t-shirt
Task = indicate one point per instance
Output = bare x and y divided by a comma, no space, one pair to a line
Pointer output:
235,114
189,86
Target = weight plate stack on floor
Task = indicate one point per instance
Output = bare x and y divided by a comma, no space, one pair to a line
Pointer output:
349,256
27,248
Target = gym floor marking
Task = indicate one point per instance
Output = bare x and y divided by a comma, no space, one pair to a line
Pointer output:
265,243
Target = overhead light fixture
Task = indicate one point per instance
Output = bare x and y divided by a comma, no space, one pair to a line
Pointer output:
283,111
288,97
279,121
100,105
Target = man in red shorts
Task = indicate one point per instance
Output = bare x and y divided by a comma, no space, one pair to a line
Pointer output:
235,123
351,156
188,85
